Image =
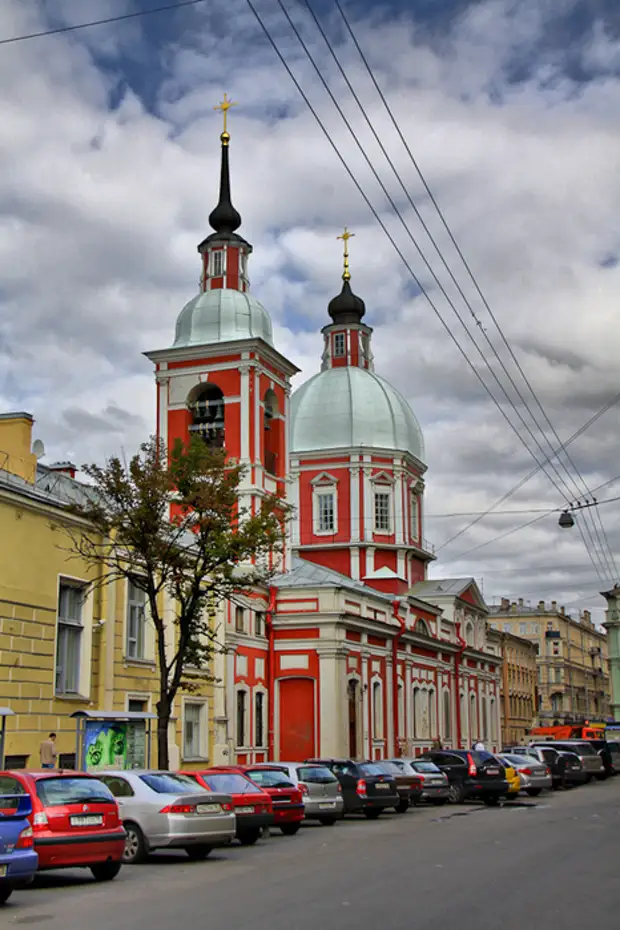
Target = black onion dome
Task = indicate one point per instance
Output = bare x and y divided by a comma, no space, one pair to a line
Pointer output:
224,218
347,307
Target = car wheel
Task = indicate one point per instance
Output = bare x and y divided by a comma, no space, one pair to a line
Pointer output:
402,806
456,793
602,777
136,848
438,802
328,821
533,792
5,893
105,871
290,829
199,852
372,813
249,837
491,800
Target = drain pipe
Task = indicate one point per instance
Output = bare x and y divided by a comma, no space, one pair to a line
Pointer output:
271,672
395,644
457,670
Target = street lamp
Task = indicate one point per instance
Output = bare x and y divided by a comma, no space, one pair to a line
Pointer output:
566,520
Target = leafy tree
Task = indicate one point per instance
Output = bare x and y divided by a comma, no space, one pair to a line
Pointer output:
171,522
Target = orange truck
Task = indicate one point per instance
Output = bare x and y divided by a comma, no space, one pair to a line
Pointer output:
569,731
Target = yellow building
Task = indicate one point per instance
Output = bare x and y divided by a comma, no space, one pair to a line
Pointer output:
64,645
519,684
573,667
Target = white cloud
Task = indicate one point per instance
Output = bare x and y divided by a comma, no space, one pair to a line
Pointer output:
105,194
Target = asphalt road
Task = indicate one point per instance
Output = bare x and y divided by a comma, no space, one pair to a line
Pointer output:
552,862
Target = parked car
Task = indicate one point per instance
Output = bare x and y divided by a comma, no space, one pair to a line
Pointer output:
366,788
603,748
286,798
320,789
408,784
591,761
163,810
556,761
75,820
512,777
18,860
252,805
435,785
470,774
614,751
534,776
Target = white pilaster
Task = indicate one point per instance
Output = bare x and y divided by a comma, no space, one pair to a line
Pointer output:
400,512
333,701
257,426
365,747
245,412
163,411
388,730
355,563
354,506
368,502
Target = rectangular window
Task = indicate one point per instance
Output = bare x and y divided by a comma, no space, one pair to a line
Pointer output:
259,718
69,638
218,264
259,624
339,344
523,629
383,523
415,506
241,709
192,714
136,622
239,620
137,705
326,512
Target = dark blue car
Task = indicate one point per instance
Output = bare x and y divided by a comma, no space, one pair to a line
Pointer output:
18,860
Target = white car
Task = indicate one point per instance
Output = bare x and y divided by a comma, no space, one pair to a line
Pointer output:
320,789
165,810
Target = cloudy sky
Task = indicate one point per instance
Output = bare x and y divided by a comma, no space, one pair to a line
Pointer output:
108,170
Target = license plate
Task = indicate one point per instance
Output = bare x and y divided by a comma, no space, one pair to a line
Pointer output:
3,870
90,821
245,810
576,768
435,781
326,807
382,786
492,771
208,808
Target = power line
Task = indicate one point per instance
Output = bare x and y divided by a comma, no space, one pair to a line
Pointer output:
101,22
606,554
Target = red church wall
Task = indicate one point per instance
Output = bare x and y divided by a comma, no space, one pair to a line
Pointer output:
386,558
296,723
336,559
343,495
417,572
310,633
197,362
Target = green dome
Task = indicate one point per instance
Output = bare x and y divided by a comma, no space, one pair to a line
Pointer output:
222,315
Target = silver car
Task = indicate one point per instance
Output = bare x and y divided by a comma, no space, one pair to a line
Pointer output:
534,775
164,810
320,789
435,785
589,757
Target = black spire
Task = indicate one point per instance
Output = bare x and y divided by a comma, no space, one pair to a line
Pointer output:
346,307
224,218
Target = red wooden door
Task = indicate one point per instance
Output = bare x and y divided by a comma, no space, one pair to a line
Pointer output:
297,725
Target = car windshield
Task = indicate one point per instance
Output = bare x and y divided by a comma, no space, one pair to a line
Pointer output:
270,778
392,768
369,768
582,749
231,783
426,767
518,760
54,792
316,775
168,783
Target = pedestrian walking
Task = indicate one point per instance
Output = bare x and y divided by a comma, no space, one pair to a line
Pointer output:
479,746
47,752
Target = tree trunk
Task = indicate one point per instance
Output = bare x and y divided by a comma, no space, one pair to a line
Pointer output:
163,722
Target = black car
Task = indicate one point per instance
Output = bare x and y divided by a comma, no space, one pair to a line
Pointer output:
408,784
471,774
366,788
614,751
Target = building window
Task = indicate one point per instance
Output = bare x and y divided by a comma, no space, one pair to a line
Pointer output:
447,717
69,638
241,717
556,649
136,621
523,629
259,624
377,711
432,716
415,713
206,405
535,628
339,344
192,718
217,263
239,620
271,432
556,703
137,705
383,522
469,634
507,628
401,711
414,515
259,718
326,512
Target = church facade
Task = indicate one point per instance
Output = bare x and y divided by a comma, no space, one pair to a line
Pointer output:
352,651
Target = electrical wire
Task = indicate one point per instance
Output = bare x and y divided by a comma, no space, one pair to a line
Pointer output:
102,22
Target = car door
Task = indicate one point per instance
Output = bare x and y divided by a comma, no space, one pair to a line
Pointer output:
346,774
452,766
553,760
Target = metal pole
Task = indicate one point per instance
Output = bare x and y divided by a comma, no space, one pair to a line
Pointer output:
2,735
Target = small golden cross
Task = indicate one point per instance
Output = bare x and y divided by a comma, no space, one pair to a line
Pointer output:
346,275
225,106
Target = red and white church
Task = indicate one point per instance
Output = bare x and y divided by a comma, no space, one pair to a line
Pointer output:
351,652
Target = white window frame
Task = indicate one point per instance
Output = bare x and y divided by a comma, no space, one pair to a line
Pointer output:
244,626
322,486
65,627
262,632
213,272
385,491
378,724
141,638
340,339
414,514
202,730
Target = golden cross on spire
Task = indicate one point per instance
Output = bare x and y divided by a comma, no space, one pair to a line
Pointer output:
346,274
224,107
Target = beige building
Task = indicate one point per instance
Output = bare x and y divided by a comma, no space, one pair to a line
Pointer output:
573,668
519,693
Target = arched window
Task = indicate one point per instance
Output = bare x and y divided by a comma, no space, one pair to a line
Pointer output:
485,720
473,718
556,703
271,432
377,710
415,713
421,627
401,711
447,715
432,715
464,724
206,405
493,721
469,634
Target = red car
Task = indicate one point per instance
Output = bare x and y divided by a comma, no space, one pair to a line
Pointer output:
75,820
253,808
287,800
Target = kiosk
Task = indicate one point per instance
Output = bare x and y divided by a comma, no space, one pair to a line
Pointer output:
112,740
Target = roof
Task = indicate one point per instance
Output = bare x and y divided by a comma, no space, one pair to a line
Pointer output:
114,715
222,315
448,587
306,574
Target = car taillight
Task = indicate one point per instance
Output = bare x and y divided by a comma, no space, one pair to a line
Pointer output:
547,771
40,821
361,787
303,787
339,788
228,806
178,809
296,797
471,768
526,771
26,839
